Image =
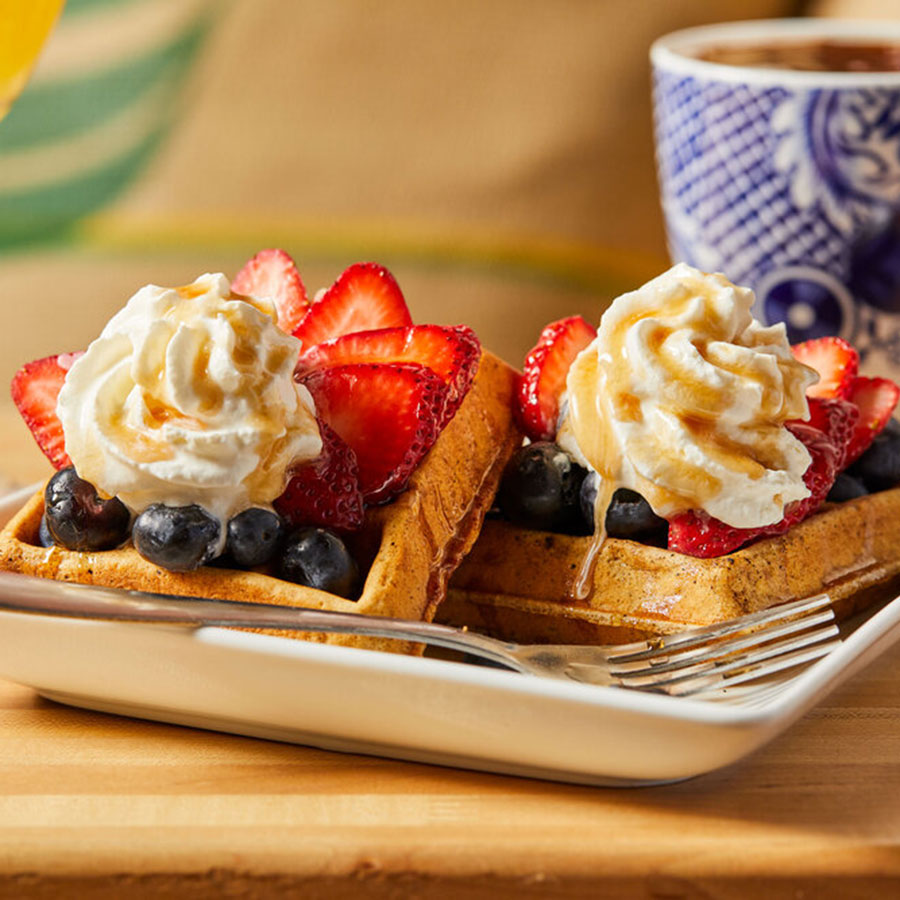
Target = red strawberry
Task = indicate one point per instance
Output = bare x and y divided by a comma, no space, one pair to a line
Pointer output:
697,534
836,362
837,419
35,388
544,374
819,477
452,353
365,297
273,274
876,399
325,491
388,414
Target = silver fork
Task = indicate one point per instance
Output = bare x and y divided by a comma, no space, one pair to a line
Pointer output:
690,662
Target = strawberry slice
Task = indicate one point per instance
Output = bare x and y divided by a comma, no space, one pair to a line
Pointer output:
837,419
876,399
452,353
544,374
273,275
35,389
695,533
836,362
387,414
364,298
326,490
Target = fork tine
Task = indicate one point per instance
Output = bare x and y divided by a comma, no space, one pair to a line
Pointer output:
787,661
649,648
681,658
742,664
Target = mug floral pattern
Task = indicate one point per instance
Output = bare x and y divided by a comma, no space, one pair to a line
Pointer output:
792,190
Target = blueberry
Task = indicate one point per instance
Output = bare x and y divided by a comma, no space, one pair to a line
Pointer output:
78,519
253,537
45,539
319,559
630,516
540,489
587,498
179,538
846,487
879,467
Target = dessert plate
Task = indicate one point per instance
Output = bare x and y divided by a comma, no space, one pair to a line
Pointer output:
420,709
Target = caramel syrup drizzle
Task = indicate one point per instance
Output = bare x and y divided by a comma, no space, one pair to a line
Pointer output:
600,390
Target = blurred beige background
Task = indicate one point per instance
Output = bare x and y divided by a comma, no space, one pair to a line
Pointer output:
529,118
497,156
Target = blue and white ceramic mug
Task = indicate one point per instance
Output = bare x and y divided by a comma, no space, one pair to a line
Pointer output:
785,180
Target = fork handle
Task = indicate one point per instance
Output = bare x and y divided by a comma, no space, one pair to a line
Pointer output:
24,593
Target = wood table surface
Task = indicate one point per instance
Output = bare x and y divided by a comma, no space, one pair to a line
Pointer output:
98,806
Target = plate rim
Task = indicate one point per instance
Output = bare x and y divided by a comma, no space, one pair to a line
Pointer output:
872,636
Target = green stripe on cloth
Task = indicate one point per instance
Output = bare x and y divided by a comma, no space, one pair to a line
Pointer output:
53,111
75,7
45,214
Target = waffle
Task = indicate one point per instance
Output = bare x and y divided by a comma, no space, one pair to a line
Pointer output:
514,583
409,547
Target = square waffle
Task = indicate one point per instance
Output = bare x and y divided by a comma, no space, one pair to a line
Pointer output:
408,548
515,582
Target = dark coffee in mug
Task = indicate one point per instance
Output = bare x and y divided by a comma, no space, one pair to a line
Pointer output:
809,56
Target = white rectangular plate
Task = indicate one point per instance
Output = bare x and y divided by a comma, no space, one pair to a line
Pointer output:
427,710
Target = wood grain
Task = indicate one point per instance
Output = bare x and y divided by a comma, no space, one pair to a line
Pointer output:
99,807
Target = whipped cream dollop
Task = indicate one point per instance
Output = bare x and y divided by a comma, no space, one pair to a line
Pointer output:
683,397
187,396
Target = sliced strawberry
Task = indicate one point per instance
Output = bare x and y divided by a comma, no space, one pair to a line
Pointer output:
35,388
544,374
876,399
836,362
364,298
697,534
273,275
325,491
452,353
837,419
819,477
388,414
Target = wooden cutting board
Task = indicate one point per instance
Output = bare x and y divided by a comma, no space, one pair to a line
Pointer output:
97,806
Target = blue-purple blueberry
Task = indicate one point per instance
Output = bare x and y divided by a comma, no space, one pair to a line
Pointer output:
78,519
319,559
253,537
178,538
541,488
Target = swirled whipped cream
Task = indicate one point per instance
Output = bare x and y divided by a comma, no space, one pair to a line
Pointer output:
683,397
187,396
